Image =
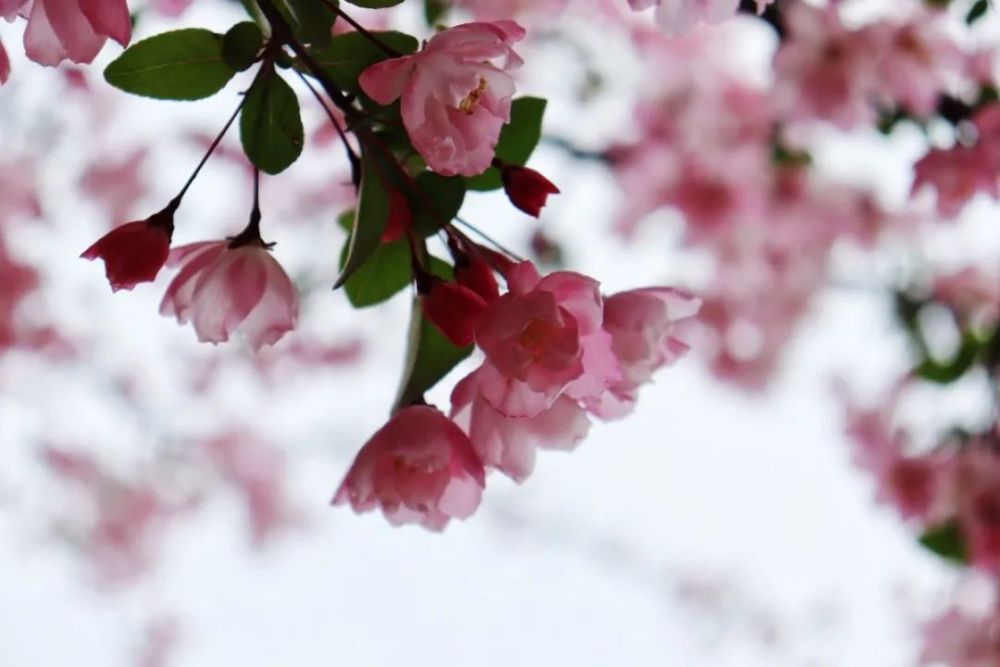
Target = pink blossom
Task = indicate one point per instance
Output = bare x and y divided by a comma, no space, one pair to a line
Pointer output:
17,281
824,70
976,485
116,182
972,293
679,16
917,63
914,484
454,309
509,443
74,29
957,174
418,468
960,639
456,93
645,327
534,336
222,288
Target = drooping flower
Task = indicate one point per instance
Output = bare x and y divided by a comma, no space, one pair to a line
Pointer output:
456,93
222,288
678,16
509,443
136,251
527,189
645,327
418,468
74,29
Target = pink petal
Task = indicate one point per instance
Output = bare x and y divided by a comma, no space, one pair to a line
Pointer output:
109,17
384,81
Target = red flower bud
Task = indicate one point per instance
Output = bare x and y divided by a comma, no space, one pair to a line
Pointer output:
400,217
136,251
527,189
478,277
454,309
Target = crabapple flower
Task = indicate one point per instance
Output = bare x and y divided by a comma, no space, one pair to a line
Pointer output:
222,288
456,93
644,327
136,251
507,443
74,29
535,336
678,16
959,638
526,188
418,468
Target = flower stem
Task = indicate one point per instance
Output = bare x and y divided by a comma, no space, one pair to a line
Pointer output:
176,201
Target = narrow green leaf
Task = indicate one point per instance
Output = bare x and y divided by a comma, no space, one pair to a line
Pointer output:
947,541
977,11
518,140
349,54
241,45
951,370
270,125
370,218
178,65
430,356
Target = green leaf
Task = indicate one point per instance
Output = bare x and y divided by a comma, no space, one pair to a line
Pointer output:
977,11
434,10
312,21
947,541
270,125
347,55
386,272
241,45
517,140
178,65
370,218
430,356
436,202
949,371
375,4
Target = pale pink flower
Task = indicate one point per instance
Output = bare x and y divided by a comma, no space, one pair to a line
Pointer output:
959,639
74,29
914,484
679,16
456,93
221,289
645,326
976,485
972,293
917,62
509,443
418,468
823,70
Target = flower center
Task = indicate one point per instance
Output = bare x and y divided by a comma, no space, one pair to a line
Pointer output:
535,337
469,102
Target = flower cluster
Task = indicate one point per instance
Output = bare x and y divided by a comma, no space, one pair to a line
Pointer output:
555,352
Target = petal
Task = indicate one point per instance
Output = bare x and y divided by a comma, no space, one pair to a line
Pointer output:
384,81
109,17
73,29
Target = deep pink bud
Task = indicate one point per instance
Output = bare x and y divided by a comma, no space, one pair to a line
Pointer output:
136,251
400,217
478,276
454,309
527,189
